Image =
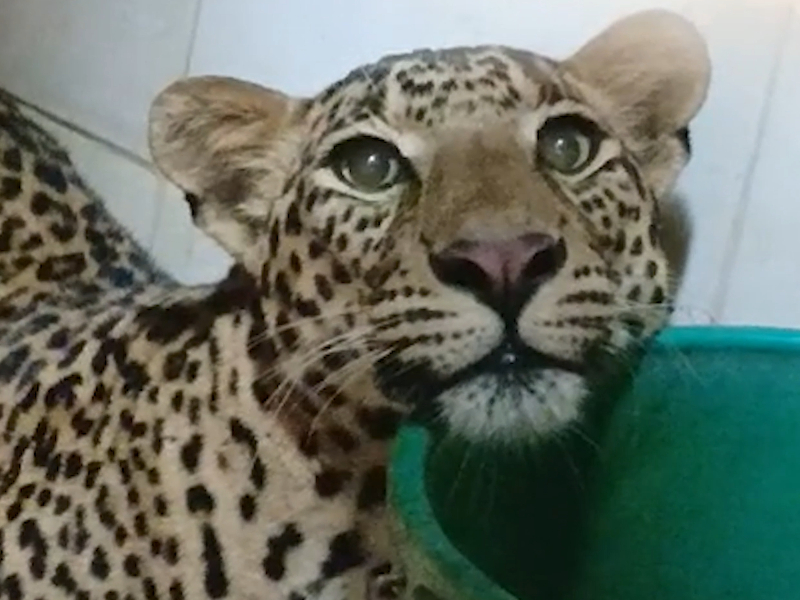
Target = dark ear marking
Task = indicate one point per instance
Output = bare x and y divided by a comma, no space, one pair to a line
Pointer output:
194,204
685,139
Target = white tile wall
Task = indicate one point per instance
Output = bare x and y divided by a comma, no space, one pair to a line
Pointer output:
97,64
302,45
745,40
764,269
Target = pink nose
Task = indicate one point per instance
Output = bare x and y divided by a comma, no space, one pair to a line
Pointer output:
500,267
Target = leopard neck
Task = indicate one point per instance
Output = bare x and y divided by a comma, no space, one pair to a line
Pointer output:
310,372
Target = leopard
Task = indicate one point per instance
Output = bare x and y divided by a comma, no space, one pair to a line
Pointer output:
448,237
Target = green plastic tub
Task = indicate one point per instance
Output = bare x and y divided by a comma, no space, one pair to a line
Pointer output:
693,491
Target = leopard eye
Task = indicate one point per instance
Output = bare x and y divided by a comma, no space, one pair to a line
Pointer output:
368,164
568,143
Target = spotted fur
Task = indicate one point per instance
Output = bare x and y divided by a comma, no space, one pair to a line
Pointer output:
231,440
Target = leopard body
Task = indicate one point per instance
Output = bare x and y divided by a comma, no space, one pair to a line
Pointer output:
231,440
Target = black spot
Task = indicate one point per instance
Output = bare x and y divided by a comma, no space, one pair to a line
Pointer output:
380,423
258,474
194,410
73,465
62,578
286,332
32,243
62,393
165,324
621,242
92,472
637,247
658,295
247,507
190,453
58,268
295,263
653,233
345,552
309,445
10,188
330,482
12,159
177,401
315,249
99,566
343,439
9,227
140,525
51,176
174,364
192,371
216,579
176,591
334,361
44,497
72,354
171,551
11,587
62,504
149,587
132,566
282,288
160,506
12,363
198,499
278,547
306,308
242,434
293,225
373,488
340,273
30,536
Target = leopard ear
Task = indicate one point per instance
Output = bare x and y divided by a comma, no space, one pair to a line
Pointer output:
653,66
215,138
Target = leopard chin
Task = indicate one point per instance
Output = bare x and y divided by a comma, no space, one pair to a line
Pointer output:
513,407
513,395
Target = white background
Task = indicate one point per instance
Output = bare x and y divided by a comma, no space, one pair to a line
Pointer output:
95,65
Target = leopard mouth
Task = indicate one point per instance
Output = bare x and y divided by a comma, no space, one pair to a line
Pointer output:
512,359
511,363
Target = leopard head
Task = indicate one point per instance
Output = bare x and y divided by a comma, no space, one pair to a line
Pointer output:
479,223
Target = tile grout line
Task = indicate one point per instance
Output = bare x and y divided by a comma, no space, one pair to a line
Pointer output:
737,228
86,133
193,37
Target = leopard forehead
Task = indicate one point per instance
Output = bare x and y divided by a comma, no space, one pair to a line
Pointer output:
450,88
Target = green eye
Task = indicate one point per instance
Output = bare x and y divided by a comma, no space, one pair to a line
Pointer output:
568,143
368,164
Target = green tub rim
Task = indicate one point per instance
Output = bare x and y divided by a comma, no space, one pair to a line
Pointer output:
730,336
410,451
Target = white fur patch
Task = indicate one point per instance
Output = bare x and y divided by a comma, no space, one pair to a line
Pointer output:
494,407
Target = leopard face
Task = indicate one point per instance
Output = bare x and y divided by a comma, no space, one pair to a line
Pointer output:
469,229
